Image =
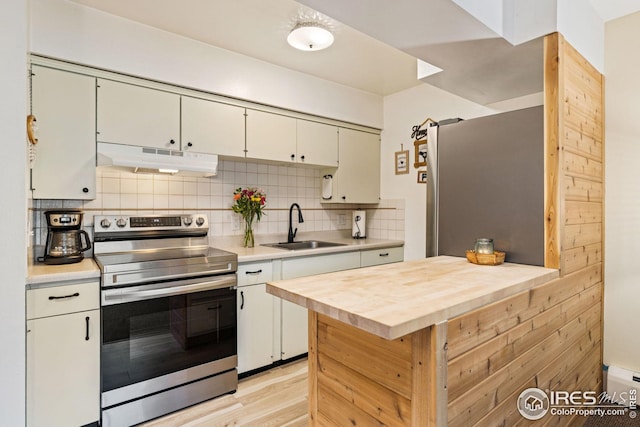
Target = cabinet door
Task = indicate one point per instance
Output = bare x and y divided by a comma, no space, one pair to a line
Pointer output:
255,327
65,162
317,143
294,330
271,136
358,173
136,115
295,317
212,127
63,370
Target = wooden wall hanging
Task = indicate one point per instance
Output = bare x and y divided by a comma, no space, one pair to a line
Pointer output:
419,135
402,162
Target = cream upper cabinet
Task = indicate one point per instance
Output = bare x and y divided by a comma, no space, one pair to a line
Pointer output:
317,143
65,155
271,136
212,127
136,115
357,179
281,138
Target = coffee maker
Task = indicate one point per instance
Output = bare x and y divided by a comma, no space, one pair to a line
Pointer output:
66,242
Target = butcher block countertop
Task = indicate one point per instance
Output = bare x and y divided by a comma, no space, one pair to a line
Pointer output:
394,300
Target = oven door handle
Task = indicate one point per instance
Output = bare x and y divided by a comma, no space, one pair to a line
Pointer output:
139,293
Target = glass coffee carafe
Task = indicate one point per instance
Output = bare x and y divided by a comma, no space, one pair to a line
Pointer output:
66,242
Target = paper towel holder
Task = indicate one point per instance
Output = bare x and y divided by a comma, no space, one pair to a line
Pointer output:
358,224
327,187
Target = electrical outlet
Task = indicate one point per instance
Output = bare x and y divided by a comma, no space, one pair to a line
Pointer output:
342,219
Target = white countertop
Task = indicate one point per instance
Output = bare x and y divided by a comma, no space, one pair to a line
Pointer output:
38,274
263,253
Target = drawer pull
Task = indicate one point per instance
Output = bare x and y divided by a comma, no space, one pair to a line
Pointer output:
77,294
253,272
86,337
384,254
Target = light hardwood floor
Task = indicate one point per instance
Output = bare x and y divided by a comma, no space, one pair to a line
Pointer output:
275,398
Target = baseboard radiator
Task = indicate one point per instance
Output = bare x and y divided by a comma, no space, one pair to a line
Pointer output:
623,386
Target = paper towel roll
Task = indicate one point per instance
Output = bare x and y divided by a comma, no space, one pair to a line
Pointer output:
327,187
358,229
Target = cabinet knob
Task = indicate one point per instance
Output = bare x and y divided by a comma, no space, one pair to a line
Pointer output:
189,144
293,157
302,158
344,197
172,142
85,190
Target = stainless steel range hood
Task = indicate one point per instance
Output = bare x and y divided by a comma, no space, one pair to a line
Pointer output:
156,160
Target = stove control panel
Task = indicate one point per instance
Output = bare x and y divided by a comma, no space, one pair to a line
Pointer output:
119,223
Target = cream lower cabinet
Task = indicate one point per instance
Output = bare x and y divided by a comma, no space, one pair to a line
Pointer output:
373,257
271,329
294,317
256,317
63,356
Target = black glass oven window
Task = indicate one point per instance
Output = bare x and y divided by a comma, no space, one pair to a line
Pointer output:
145,339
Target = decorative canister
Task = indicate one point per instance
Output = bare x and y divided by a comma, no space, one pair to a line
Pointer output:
484,246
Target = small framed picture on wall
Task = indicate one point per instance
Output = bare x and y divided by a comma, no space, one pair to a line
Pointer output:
402,162
420,153
422,176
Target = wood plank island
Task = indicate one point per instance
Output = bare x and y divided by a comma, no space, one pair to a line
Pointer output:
440,341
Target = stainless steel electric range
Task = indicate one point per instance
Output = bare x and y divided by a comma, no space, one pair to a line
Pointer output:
168,306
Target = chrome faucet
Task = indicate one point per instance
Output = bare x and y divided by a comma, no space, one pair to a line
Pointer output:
292,232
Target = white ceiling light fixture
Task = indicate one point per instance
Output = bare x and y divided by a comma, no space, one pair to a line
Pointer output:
310,36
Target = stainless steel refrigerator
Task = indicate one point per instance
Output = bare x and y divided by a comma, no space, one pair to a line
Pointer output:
485,178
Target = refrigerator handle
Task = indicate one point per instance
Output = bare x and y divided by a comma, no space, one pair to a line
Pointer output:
432,192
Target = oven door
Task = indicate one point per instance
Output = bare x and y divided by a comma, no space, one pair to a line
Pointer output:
161,335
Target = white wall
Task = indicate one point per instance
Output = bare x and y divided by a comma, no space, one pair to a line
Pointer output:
13,112
402,111
622,193
583,28
73,32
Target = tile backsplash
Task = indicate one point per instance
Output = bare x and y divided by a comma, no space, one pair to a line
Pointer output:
128,193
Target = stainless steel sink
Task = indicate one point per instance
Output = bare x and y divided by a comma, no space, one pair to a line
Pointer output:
305,244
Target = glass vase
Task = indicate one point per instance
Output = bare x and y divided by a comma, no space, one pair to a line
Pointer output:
248,233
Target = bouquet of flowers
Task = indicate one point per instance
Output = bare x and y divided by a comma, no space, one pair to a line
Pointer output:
249,203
